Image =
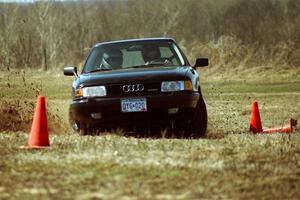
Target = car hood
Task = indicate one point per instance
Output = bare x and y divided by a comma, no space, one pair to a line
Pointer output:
152,74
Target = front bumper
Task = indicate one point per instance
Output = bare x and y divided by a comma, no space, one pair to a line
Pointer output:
112,116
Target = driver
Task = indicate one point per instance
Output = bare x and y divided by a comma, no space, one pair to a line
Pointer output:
150,53
112,59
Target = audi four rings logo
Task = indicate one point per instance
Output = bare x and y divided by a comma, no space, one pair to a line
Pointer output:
133,88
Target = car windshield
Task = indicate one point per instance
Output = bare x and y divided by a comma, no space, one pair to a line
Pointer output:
133,54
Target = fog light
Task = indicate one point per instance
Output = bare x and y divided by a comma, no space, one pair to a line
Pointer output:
172,110
96,115
75,127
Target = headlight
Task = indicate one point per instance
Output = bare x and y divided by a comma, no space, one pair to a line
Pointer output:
172,86
96,91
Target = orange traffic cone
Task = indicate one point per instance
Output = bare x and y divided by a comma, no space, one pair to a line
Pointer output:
255,121
39,137
289,128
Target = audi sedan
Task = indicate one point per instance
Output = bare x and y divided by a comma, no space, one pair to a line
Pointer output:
138,84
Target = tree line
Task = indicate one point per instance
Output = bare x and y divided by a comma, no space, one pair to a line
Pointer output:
51,34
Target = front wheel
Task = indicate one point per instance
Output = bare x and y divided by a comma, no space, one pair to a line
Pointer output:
199,120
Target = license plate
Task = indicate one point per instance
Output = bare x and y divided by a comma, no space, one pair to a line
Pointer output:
134,105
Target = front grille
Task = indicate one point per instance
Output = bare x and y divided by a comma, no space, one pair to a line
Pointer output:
116,90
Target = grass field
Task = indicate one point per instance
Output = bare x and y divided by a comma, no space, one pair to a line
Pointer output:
230,163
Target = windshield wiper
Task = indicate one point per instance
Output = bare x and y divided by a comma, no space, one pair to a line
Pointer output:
99,69
155,64
150,64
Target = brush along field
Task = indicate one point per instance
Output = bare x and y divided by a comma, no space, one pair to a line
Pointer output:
229,163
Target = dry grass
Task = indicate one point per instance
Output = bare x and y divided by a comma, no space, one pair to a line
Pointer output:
113,167
232,52
19,90
229,164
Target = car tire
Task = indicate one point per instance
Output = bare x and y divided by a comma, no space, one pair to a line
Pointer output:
199,120
83,131
182,128
88,131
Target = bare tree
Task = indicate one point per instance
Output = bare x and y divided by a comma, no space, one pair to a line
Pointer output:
50,33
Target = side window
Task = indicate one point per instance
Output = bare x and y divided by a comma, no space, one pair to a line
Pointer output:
94,60
167,53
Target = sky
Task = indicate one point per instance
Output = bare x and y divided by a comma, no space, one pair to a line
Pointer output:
32,1
16,1
26,1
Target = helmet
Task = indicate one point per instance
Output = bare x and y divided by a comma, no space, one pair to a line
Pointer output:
112,58
150,53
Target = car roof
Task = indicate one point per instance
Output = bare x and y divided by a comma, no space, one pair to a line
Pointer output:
136,40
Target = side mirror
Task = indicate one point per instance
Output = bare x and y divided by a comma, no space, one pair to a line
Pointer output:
201,62
70,71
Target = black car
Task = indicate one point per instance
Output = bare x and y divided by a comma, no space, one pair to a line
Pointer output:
138,84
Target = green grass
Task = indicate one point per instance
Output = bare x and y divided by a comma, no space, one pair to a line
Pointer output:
230,163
